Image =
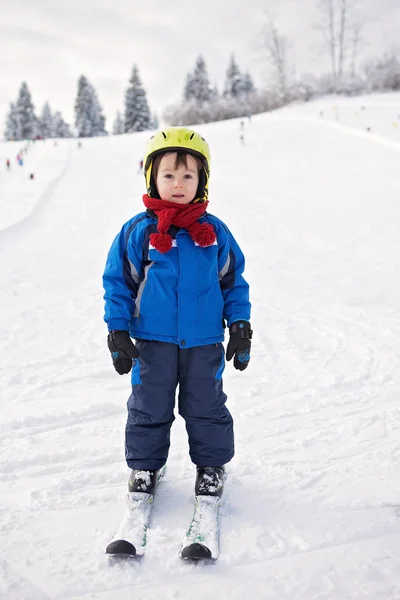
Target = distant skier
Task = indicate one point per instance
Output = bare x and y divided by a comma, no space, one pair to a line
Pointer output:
140,166
174,275
8,164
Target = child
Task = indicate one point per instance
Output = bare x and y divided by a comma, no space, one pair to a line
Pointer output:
173,277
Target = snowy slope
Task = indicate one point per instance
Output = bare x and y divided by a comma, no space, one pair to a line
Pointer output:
312,501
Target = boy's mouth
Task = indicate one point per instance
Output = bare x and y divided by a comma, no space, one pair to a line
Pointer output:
178,195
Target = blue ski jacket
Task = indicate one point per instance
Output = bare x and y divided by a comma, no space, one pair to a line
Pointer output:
184,296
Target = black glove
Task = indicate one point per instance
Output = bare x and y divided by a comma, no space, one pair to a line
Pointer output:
240,335
122,351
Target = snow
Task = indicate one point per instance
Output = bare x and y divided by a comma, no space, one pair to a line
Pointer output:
312,500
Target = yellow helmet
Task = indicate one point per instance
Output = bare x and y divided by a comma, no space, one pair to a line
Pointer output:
177,139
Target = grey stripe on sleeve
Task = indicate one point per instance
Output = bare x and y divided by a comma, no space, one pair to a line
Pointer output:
141,289
134,273
225,268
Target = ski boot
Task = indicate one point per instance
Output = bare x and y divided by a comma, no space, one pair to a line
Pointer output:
144,481
210,481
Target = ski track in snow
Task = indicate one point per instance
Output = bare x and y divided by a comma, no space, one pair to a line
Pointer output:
312,503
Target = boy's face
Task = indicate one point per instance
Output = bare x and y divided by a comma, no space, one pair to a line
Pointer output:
177,184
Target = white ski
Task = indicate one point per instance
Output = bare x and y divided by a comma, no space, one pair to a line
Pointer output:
202,538
130,539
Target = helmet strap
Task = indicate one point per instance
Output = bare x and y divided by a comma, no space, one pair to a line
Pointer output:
152,191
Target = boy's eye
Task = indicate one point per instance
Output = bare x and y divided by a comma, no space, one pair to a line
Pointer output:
188,176
168,176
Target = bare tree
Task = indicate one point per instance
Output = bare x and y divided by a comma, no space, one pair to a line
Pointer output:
276,47
355,45
343,10
341,33
383,73
327,26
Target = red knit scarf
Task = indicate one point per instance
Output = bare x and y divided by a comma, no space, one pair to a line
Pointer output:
180,215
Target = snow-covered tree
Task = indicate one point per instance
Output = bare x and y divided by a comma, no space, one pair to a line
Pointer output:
248,84
26,114
13,128
60,127
98,119
89,119
383,73
234,80
137,112
118,126
214,93
200,83
46,122
155,122
83,108
188,90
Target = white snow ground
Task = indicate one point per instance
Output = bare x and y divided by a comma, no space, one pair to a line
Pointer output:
312,503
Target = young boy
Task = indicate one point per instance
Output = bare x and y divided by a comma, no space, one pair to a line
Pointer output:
173,278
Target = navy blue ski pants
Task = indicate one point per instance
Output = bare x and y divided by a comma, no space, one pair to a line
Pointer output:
160,368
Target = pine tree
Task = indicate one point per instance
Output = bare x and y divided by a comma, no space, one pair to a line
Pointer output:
188,90
118,126
137,113
36,127
214,93
89,120
82,108
248,85
60,127
233,81
13,127
26,114
200,83
46,122
98,119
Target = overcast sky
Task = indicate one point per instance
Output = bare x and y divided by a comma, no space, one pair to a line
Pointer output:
50,43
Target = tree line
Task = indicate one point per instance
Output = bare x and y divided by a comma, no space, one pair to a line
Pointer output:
202,102
22,122
341,32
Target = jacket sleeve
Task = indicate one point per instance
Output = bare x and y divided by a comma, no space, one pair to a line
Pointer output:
234,287
121,277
